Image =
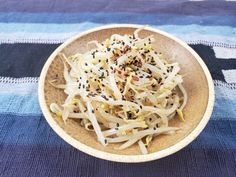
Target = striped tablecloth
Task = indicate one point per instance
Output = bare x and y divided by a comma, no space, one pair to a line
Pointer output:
30,31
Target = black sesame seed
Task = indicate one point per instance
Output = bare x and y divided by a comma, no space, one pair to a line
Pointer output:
154,128
86,71
105,141
106,111
92,111
117,124
86,64
116,128
108,49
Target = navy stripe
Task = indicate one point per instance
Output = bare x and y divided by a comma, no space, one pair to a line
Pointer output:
27,60
116,17
24,60
150,6
42,153
215,65
47,161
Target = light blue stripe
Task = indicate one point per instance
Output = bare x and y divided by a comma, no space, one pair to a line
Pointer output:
27,104
225,102
46,28
20,105
78,27
117,17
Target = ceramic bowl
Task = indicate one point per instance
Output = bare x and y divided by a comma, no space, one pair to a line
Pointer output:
197,82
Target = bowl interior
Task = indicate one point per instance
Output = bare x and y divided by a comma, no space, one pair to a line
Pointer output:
195,83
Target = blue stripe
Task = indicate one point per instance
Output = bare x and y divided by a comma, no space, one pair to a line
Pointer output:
27,130
78,27
16,125
124,17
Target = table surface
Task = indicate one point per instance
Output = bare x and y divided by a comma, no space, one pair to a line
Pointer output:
30,31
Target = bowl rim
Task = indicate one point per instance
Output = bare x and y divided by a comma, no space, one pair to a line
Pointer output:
116,157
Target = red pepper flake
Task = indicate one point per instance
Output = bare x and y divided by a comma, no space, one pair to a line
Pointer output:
136,78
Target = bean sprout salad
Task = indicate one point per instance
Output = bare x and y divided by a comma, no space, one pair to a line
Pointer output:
123,90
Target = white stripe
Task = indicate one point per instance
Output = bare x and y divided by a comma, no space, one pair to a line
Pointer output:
39,38
224,53
230,75
19,80
222,84
213,40
19,88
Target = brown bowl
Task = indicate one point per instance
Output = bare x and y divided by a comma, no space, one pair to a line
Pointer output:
197,82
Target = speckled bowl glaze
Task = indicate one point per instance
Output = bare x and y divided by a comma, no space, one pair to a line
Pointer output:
197,81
